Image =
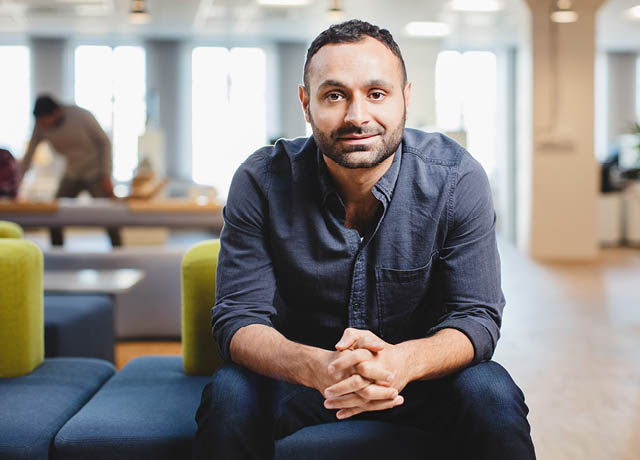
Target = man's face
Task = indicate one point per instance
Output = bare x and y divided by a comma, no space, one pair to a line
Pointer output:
356,102
51,120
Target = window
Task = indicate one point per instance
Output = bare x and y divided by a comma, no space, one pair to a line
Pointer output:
466,100
15,115
228,111
111,84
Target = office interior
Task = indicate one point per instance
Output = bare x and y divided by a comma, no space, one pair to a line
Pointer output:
544,93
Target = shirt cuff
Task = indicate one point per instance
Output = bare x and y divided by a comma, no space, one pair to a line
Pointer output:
223,336
481,339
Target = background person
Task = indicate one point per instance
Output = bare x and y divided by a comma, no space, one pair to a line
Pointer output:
74,133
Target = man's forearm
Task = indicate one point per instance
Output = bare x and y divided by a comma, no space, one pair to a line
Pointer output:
266,351
447,351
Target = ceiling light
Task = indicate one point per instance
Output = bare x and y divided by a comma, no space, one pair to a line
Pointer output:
477,6
138,13
283,2
562,12
335,13
427,29
634,13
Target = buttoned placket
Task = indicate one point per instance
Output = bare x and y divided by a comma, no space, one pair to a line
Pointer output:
357,307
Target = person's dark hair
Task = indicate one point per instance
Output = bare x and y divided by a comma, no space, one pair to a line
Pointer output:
350,32
45,105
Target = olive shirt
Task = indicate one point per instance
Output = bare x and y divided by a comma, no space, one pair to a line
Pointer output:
428,261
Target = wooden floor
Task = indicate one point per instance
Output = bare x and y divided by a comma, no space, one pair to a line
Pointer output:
571,340
126,351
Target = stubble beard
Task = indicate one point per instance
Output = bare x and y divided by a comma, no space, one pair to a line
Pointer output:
329,146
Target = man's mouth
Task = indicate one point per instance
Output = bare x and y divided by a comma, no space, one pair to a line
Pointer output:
358,139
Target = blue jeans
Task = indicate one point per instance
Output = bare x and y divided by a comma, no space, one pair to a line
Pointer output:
478,413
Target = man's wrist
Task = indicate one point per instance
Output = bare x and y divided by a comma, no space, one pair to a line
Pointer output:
312,361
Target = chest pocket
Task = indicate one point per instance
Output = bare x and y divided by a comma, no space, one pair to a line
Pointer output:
401,297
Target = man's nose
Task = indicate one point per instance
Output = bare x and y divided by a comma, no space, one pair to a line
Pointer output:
357,113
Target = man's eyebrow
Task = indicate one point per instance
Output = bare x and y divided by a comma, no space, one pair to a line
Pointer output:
376,82
332,83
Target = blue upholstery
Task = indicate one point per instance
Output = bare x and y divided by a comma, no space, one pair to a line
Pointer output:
146,411
78,325
355,439
35,406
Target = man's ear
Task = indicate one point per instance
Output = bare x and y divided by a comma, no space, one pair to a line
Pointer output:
407,95
303,95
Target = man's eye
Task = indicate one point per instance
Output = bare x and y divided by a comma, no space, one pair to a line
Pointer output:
377,95
334,96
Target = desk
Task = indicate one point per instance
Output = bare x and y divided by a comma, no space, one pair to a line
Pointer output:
105,212
87,281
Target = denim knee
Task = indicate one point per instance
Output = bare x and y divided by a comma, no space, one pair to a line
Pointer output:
489,397
233,414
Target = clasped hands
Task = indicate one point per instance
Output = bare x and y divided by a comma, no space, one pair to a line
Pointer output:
364,374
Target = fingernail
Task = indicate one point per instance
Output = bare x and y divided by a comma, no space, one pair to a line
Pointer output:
378,344
340,344
328,394
340,415
394,394
390,378
399,400
331,368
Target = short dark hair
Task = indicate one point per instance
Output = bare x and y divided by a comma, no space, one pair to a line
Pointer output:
45,105
352,31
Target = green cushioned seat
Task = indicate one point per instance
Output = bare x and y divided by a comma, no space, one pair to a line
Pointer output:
10,230
198,296
21,307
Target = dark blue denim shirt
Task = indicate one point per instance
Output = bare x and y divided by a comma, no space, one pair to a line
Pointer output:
428,261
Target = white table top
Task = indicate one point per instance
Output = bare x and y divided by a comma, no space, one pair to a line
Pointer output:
91,281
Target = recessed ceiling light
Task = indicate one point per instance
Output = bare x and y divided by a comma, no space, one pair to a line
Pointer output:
564,16
427,29
478,6
283,2
634,12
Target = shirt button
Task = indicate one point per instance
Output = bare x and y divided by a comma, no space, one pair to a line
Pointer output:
356,305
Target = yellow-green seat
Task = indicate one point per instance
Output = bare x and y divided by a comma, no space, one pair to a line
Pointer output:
10,230
21,307
200,355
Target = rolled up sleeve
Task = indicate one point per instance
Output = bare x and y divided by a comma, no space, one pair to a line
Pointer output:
245,280
470,262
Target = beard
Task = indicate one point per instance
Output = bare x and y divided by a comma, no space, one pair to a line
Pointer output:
329,143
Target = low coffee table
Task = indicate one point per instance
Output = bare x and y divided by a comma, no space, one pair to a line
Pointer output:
89,281
79,310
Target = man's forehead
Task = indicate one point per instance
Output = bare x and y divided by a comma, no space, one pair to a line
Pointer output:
367,59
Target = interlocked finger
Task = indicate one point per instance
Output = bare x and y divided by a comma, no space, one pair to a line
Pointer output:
349,359
370,406
346,386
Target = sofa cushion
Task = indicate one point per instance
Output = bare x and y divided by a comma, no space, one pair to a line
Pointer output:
36,405
78,325
146,411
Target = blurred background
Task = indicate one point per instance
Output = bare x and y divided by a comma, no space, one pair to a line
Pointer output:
544,93
201,84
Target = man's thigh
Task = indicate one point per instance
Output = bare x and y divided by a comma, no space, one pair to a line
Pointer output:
236,391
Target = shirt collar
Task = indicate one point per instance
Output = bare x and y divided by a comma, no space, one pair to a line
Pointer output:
385,184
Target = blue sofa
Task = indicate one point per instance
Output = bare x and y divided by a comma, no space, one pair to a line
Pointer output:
147,410
37,395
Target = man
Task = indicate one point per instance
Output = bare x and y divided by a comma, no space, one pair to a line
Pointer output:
76,134
359,276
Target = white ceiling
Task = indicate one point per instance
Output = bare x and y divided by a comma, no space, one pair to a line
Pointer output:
246,20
